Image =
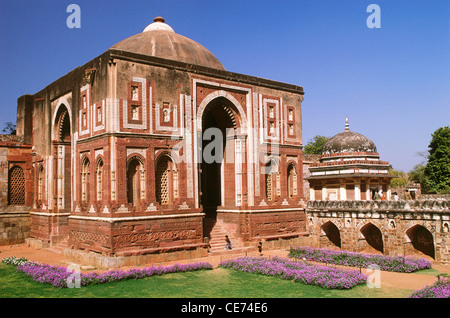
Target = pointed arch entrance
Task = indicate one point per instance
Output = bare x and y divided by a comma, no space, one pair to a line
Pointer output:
421,239
331,231
373,236
219,134
62,149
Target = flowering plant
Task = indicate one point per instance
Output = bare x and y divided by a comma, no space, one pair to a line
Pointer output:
14,260
338,257
440,289
61,277
309,274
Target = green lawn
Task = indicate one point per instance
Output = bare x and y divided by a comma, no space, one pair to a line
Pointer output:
217,283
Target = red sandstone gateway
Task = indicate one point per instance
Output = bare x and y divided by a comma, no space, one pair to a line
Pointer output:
117,148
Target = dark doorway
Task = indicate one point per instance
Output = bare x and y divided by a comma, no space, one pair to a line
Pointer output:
217,122
333,233
421,240
62,146
373,236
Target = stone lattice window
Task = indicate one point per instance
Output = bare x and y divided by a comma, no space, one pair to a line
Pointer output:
166,181
162,181
269,190
16,186
272,180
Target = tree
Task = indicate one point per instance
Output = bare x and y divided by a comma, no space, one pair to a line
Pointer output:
437,170
314,146
9,128
400,180
417,175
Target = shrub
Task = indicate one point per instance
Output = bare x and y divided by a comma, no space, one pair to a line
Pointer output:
308,274
59,276
338,257
440,289
14,260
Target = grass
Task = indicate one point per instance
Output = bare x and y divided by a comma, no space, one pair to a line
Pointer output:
217,283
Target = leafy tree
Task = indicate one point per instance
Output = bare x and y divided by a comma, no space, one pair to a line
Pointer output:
437,170
417,174
9,128
314,146
401,178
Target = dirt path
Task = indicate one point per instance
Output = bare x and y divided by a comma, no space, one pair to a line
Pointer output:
411,281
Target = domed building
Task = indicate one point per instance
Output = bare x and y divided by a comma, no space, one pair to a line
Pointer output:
148,148
349,169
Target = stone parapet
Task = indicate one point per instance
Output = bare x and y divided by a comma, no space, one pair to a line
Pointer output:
437,205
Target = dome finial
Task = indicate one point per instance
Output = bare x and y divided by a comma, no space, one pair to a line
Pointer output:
159,19
158,25
346,124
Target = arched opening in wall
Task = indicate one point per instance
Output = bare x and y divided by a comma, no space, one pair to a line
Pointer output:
166,180
85,180
332,232
135,181
292,181
422,240
62,173
373,236
218,141
64,127
40,184
271,178
16,186
99,179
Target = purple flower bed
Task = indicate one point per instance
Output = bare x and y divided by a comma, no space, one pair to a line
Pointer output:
338,257
440,289
308,274
58,276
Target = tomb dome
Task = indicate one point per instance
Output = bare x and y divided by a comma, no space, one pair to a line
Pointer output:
160,40
348,142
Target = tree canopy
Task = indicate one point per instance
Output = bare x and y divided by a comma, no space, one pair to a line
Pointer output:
314,145
437,170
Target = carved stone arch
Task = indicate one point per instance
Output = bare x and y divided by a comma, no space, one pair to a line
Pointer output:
62,122
166,179
99,177
85,169
135,179
40,182
221,126
238,112
291,178
271,173
171,155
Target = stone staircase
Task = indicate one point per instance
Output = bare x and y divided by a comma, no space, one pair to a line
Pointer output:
215,231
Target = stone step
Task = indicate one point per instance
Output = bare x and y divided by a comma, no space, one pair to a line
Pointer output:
216,233
239,251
